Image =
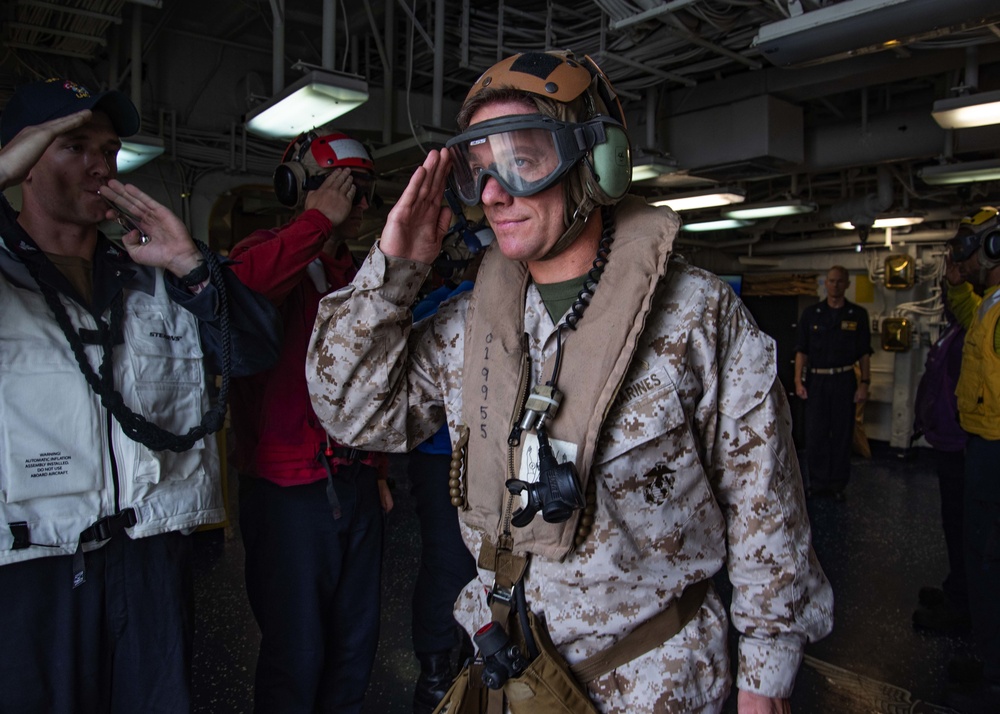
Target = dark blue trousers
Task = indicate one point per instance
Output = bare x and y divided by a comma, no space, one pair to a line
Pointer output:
314,584
118,643
829,429
982,547
446,565
950,469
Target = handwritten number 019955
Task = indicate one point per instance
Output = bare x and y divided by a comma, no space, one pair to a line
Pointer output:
483,410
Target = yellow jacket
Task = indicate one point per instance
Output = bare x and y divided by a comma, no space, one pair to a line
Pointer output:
978,389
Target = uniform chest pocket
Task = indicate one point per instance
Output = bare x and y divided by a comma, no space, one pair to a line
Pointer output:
649,462
164,347
167,365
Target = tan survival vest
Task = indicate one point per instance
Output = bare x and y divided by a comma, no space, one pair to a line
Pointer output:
595,359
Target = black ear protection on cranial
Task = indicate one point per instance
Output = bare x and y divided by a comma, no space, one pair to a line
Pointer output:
990,249
291,179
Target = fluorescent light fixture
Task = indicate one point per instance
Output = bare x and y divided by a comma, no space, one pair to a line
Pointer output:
962,172
725,224
753,211
701,199
138,150
649,166
970,110
317,98
887,220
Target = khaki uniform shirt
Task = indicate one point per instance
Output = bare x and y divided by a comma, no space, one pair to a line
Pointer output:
695,470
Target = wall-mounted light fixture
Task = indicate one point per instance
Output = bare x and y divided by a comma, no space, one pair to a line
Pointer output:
693,200
772,209
138,150
320,96
969,110
887,220
961,172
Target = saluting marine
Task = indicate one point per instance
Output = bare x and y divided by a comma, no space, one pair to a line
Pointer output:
634,386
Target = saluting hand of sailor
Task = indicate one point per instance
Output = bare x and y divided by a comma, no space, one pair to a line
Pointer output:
162,240
23,151
417,223
334,197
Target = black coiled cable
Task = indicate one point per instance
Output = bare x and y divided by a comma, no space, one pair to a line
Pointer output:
594,274
136,426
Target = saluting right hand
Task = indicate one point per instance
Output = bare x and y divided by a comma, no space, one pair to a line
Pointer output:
23,151
335,196
417,223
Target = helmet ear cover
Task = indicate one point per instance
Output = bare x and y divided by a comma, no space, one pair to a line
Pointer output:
309,157
290,177
978,234
991,247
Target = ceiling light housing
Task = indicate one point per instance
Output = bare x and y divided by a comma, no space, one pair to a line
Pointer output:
138,150
724,224
320,96
970,110
887,220
962,172
646,166
772,209
694,200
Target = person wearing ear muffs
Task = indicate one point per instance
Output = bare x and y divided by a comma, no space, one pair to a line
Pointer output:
974,267
618,431
311,510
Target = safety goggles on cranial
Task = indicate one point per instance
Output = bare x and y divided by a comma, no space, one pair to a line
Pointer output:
525,153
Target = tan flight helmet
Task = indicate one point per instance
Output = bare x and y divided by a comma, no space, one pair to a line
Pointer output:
569,90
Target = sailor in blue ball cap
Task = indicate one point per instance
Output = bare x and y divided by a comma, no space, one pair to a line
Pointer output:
38,102
107,453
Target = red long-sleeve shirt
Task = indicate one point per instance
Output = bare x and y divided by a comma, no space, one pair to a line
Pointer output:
276,433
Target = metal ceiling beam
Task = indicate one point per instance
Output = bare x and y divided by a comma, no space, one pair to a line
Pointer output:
650,14
103,17
663,74
58,33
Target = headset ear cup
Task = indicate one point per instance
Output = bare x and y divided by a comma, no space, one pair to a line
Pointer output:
612,162
991,246
289,179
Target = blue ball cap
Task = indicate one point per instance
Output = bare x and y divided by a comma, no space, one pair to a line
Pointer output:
38,102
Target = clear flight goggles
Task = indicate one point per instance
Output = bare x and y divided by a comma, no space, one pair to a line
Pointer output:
525,153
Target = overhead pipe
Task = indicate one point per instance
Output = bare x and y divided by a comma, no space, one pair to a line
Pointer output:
862,211
437,106
278,47
135,74
389,89
329,34
847,241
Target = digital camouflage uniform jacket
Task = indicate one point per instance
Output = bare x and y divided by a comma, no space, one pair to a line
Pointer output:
695,468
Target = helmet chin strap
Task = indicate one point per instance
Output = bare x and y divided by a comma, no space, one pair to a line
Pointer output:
574,220
567,238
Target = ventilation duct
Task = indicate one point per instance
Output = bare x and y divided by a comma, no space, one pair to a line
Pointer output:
754,138
856,27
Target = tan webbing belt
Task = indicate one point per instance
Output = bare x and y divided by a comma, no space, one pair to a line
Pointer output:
649,635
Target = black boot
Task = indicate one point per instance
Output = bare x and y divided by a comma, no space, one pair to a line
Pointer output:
433,682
